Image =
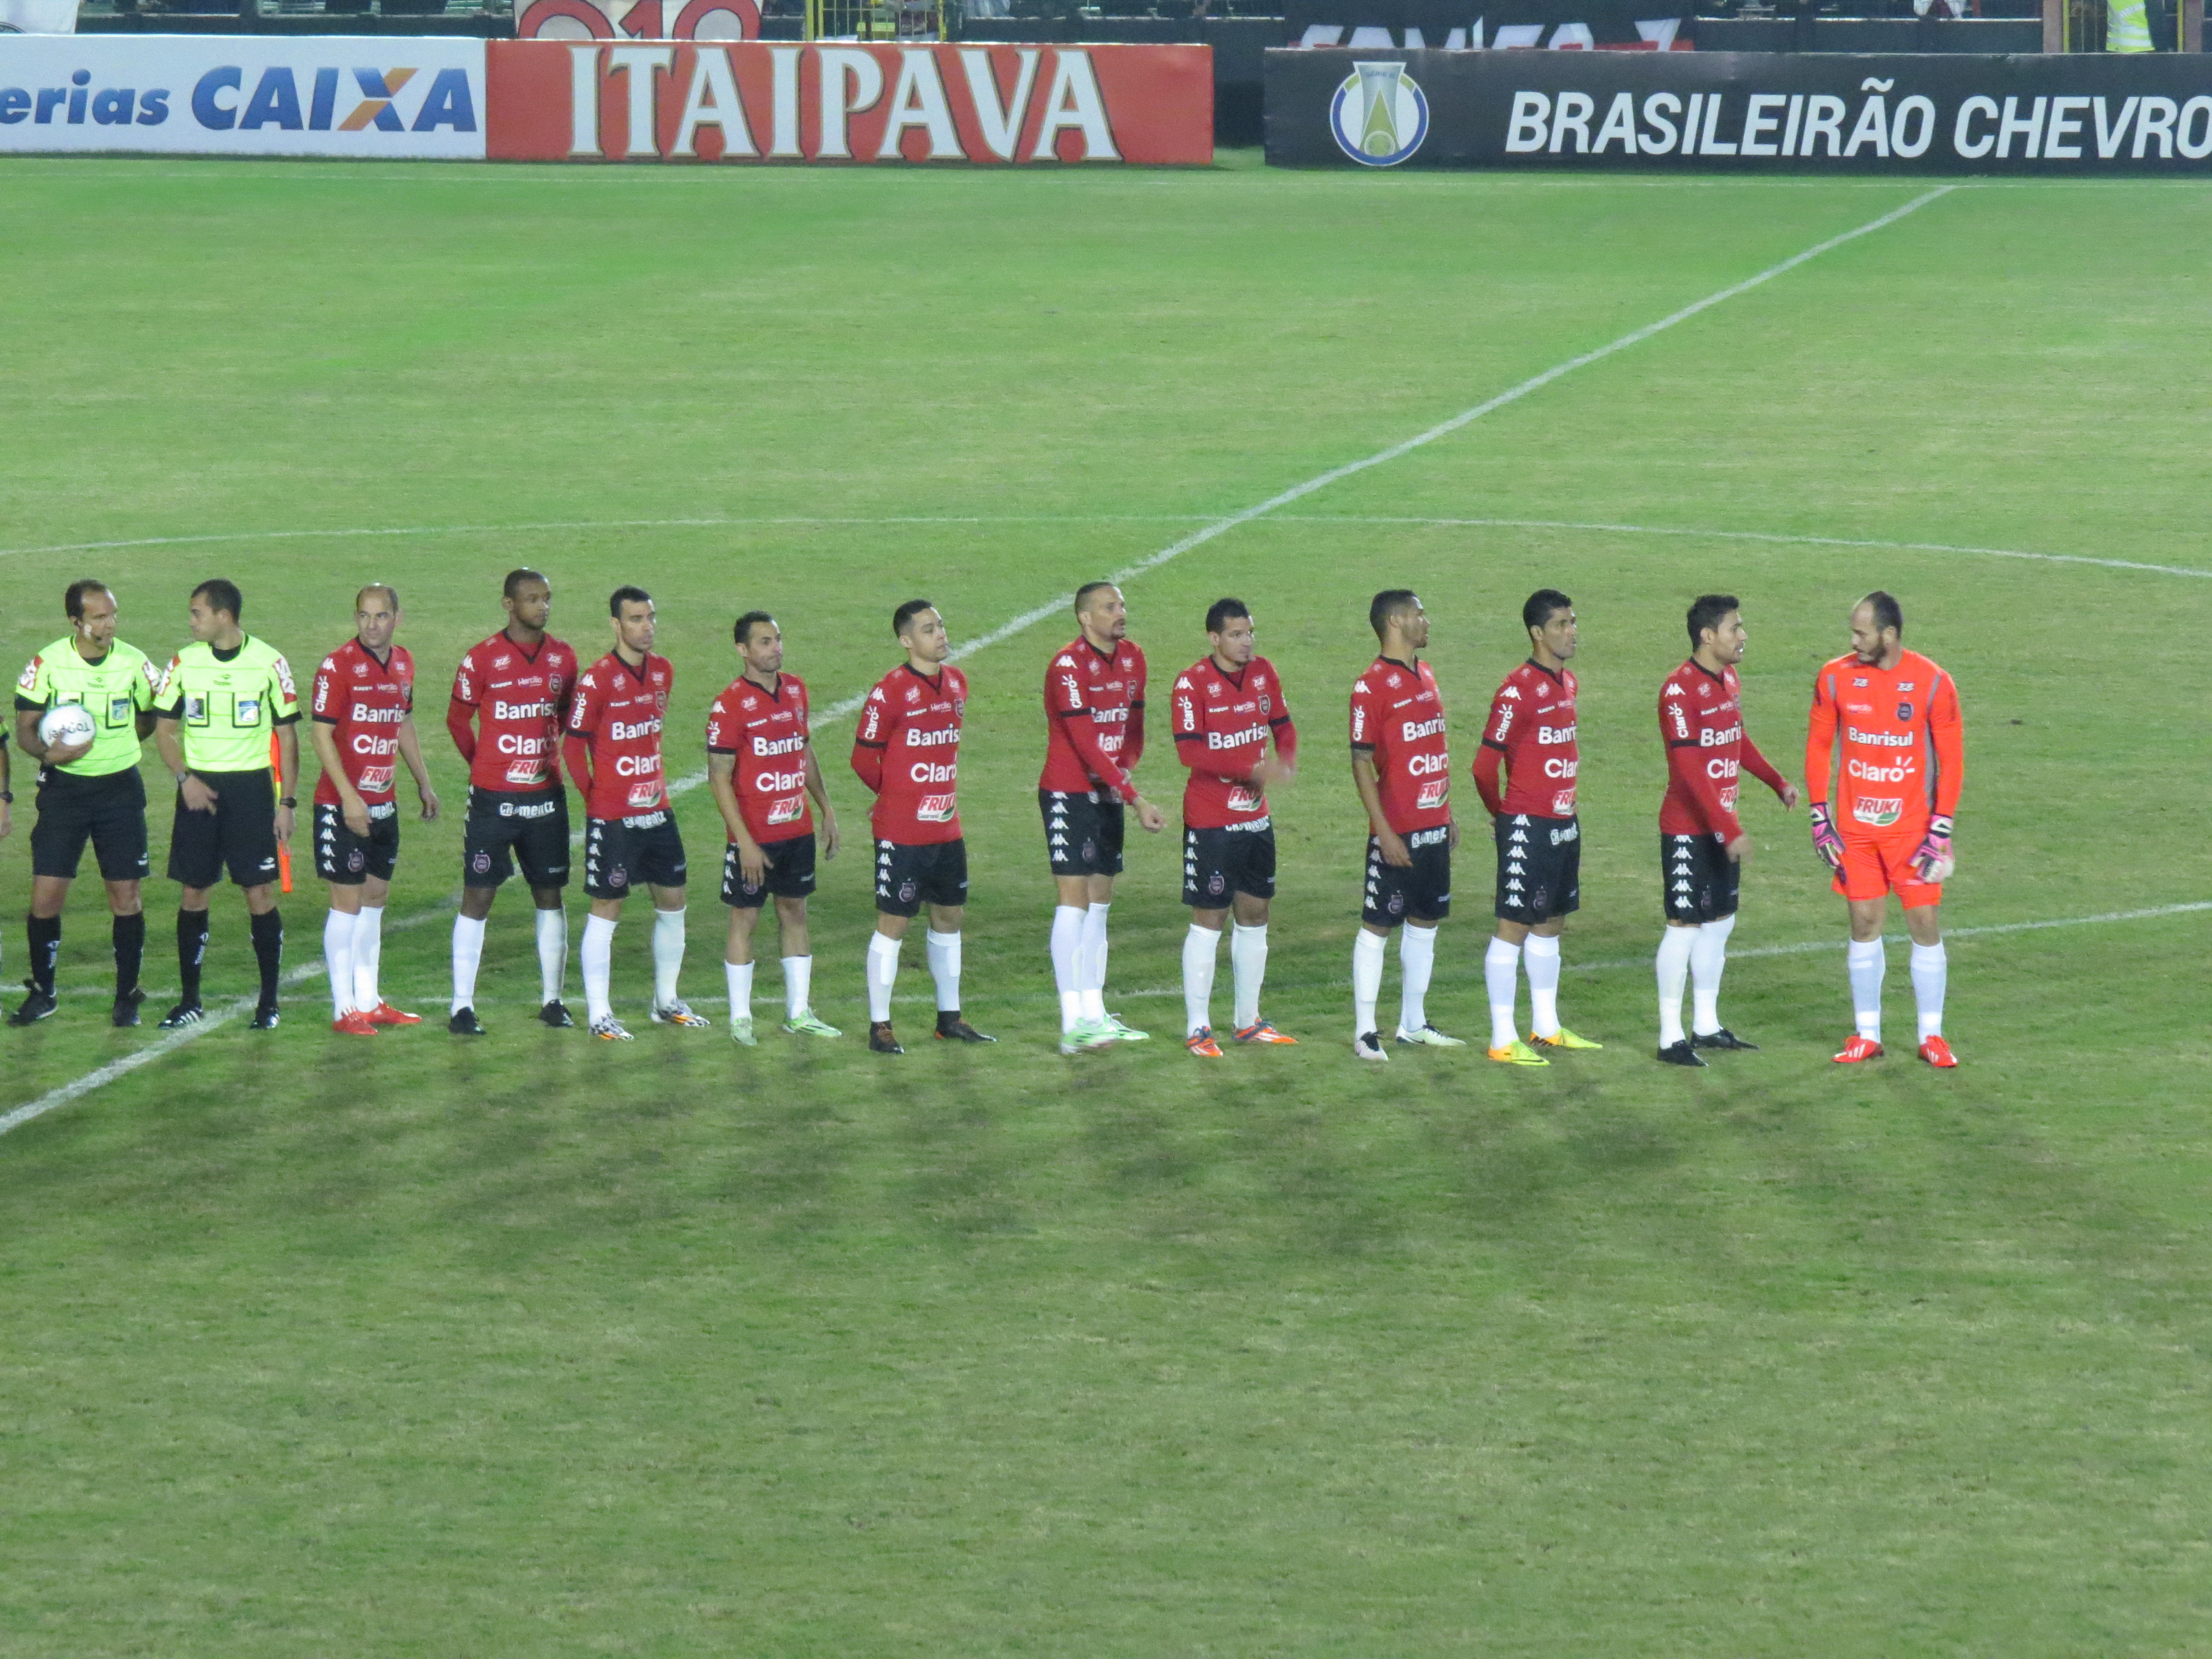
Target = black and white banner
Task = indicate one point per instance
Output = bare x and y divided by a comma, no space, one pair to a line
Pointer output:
1741,112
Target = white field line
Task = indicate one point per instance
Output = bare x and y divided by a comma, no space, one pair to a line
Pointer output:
173,1041
1174,550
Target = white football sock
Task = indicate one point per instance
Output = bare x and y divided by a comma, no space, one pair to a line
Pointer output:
741,977
468,957
1867,965
943,950
338,960
1067,952
368,955
1707,957
1931,970
595,957
1248,969
1366,981
798,986
1093,961
1540,956
1675,947
1201,951
1501,966
552,951
882,974
667,956
1417,961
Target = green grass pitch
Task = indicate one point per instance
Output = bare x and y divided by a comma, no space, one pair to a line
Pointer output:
537,1347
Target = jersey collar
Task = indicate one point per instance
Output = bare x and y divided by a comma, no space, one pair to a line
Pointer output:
1558,678
1413,667
936,684
774,693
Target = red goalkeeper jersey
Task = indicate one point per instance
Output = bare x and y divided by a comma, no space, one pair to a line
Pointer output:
1397,714
1094,713
362,701
1903,739
1531,734
1222,723
1701,723
507,711
908,750
613,745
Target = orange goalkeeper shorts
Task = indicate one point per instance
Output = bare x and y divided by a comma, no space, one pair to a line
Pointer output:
1875,866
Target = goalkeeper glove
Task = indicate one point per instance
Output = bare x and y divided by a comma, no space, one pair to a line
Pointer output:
1826,841
1933,859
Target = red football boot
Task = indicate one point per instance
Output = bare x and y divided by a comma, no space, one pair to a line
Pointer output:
385,1014
353,1023
1858,1048
1937,1053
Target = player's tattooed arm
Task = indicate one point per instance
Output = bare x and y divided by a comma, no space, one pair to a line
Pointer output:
1366,780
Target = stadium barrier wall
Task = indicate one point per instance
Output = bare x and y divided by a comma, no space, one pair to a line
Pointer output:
242,94
1741,112
848,103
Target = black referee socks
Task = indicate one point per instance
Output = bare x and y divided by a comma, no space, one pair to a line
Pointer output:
191,950
130,936
45,933
268,952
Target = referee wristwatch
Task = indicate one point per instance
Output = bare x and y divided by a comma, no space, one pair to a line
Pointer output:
290,802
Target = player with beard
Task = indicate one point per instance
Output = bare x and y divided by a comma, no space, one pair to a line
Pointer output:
1530,735
1401,766
612,750
1702,843
761,766
510,699
907,750
1094,708
1896,716
363,715
1226,706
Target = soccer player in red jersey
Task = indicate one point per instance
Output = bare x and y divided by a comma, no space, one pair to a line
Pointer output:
761,766
510,699
612,750
1702,843
907,750
1530,734
1226,706
1094,708
1896,716
1401,766
363,710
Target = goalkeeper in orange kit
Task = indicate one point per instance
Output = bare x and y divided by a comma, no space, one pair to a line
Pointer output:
1895,716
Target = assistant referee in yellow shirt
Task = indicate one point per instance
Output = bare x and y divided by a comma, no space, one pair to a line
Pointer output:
223,696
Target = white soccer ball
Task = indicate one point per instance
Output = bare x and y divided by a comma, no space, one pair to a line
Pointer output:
64,724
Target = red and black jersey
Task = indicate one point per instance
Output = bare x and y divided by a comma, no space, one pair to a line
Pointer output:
908,750
1701,723
613,745
1531,733
1397,715
508,704
766,733
1221,721
363,701
1094,716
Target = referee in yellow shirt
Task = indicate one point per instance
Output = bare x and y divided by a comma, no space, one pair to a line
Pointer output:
223,696
88,790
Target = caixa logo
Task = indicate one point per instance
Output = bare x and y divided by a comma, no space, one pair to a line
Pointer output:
371,101
1380,115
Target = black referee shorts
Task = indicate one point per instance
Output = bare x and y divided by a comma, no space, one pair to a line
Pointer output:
110,811
239,834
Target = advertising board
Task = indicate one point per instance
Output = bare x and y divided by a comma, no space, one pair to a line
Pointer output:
237,94
849,103
1742,111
